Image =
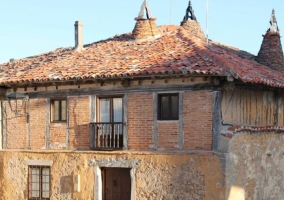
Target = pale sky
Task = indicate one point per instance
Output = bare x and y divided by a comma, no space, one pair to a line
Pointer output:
33,27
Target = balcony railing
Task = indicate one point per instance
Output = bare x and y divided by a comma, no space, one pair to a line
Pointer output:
106,135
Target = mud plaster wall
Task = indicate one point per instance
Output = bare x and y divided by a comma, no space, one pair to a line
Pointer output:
160,176
255,166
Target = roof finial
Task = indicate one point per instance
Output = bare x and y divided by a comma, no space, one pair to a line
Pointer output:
273,23
145,6
191,11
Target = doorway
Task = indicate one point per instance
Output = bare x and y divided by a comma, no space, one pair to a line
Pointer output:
116,184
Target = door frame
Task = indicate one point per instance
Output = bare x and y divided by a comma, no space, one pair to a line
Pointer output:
98,187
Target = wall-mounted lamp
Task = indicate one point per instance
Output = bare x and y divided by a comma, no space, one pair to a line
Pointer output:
18,98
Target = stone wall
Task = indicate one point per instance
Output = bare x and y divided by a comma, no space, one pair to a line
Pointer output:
255,166
196,176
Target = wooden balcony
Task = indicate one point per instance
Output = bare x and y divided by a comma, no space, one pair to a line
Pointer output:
106,135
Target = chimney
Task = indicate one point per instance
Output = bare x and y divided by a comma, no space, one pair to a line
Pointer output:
145,28
271,53
191,25
79,36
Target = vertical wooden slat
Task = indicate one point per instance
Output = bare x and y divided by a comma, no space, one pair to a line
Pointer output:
112,136
117,137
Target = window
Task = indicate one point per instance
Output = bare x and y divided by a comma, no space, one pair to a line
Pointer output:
39,183
108,130
58,110
110,109
168,107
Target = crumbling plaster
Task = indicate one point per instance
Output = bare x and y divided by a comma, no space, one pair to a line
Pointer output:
196,176
255,166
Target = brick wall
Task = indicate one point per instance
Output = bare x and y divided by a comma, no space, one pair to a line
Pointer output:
197,124
197,120
16,129
57,135
37,123
79,119
168,135
140,121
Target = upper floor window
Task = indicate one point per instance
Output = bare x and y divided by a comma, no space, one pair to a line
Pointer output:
39,182
110,109
58,110
168,107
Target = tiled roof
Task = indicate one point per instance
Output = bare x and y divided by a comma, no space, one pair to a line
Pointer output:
175,52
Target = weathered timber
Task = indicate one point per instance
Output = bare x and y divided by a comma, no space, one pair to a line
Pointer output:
250,107
28,126
3,93
131,89
47,125
155,129
217,119
67,134
180,122
4,125
125,120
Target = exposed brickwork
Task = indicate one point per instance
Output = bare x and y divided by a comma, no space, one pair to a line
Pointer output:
37,123
193,28
197,124
16,129
145,29
271,53
168,135
197,120
140,121
58,135
79,118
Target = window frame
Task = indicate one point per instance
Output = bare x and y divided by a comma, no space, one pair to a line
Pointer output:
52,117
111,107
40,183
168,95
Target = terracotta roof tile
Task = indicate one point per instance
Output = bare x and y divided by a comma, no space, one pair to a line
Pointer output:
175,52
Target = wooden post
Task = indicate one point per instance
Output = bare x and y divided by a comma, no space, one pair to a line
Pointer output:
47,125
217,118
180,122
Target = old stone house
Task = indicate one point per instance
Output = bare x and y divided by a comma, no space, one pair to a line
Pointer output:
158,113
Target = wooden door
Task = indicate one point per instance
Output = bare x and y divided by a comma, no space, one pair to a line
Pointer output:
116,183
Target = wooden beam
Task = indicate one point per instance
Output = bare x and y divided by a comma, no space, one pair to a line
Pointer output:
180,122
217,119
93,108
28,126
155,129
125,120
119,90
3,93
47,125
67,134
4,123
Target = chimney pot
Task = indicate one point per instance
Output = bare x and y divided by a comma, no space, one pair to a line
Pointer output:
79,36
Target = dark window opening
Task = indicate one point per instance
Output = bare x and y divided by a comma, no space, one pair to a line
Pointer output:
59,110
168,107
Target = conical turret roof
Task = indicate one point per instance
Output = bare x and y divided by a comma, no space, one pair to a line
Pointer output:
271,53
